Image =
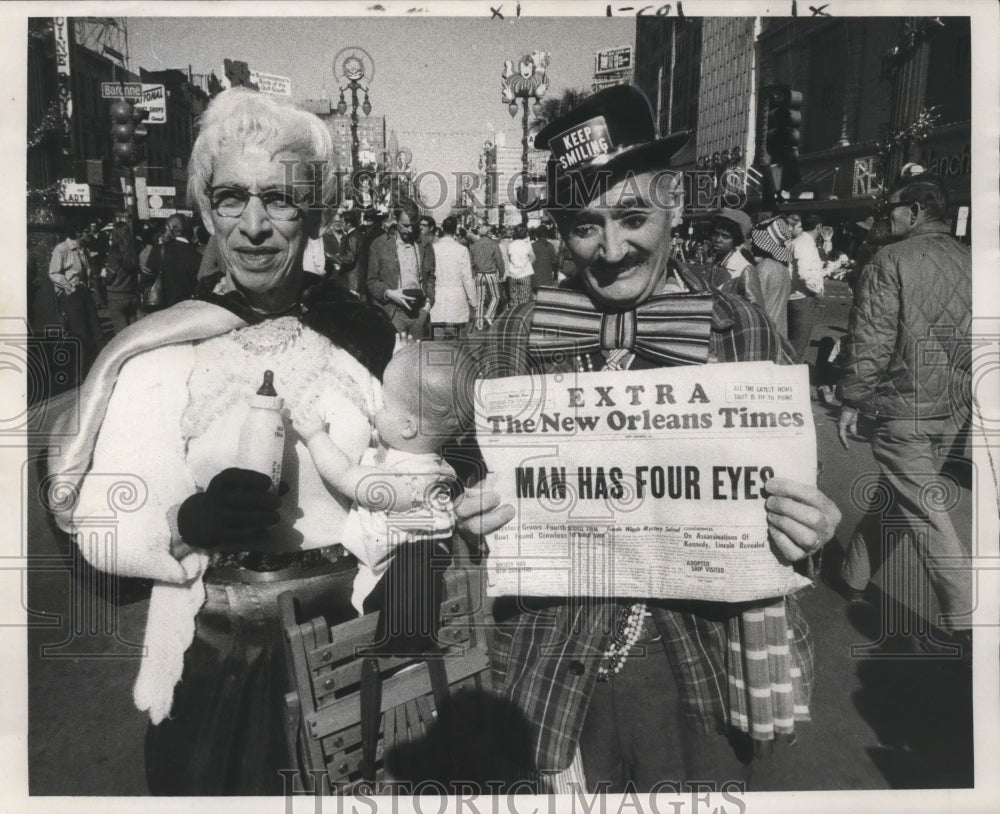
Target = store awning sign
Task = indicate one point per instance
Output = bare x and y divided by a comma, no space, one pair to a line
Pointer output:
864,176
154,99
73,194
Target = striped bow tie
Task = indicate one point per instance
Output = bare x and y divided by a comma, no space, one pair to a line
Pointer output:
672,329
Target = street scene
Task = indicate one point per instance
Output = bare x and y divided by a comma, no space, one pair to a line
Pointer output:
272,266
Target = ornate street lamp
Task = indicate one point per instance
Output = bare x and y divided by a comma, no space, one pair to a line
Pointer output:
354,70
527,82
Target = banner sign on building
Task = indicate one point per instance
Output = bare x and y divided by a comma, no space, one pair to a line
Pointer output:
154,99
61,28
612,60
269,83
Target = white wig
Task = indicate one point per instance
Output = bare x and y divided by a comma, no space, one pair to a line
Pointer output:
238,118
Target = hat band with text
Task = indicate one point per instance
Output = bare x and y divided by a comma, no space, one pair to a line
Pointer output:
582,143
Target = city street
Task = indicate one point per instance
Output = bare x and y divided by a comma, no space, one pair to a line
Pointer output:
885,714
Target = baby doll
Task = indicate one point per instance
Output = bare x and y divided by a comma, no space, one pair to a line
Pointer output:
402,519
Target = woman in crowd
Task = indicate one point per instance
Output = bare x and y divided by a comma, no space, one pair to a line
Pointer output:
122,279
735,273
218,541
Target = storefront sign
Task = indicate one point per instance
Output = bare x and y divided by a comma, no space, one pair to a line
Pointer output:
154,99
864,177
61,28
946,164
73,194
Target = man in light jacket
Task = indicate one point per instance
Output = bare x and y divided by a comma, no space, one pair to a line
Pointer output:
455,292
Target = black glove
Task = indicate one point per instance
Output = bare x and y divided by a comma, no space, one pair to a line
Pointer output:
236,506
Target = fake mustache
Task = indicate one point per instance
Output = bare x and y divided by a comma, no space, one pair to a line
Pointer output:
600,268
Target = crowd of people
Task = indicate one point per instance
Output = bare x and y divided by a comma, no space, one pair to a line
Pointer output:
468,274
324,296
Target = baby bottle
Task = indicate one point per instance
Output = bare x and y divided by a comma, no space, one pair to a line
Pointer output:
262,438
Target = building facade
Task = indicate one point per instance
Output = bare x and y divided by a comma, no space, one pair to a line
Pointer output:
371,134
868,86
169,145
726,90
668,69
82,153
877,93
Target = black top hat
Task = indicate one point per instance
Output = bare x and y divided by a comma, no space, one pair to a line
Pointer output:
609,132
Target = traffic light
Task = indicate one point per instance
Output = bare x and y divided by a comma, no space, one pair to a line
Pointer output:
782,137
123,148
128,133
784,118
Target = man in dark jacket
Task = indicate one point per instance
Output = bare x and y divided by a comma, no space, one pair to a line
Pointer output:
343,248
546,260
908,364
177,261
401,272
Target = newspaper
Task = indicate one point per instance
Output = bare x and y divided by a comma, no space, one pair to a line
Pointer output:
644,483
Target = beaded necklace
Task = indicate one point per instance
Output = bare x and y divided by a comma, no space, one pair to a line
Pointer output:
627,632
631,617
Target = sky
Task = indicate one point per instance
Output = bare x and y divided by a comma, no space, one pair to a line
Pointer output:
437,80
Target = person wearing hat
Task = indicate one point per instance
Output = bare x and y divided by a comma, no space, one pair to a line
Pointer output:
909,366
767,242
730,229
682,711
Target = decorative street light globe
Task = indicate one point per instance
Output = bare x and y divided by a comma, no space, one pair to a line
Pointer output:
354,70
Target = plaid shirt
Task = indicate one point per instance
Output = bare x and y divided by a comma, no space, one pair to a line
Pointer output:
547,652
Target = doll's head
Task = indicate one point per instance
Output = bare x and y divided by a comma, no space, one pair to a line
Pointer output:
427,396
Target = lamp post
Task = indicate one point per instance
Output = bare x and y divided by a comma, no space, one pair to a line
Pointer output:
488,164
528,81
354,70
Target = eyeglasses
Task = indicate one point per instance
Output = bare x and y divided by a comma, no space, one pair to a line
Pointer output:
231,202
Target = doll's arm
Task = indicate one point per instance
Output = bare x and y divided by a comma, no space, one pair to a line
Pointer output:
334,467
368,486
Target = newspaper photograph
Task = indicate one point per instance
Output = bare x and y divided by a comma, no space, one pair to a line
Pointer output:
645,483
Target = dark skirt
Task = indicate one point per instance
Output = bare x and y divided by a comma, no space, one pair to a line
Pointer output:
226,731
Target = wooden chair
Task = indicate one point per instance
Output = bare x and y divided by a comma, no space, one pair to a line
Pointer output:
323,709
